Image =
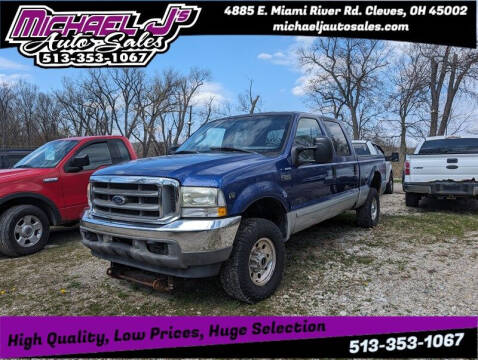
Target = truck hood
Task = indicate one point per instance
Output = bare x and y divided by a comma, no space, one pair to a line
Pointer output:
206,169
11,175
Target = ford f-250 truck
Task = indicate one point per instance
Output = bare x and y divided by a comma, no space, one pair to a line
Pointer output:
227,200
442,167
48,187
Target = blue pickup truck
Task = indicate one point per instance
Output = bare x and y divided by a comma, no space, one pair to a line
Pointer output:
227,200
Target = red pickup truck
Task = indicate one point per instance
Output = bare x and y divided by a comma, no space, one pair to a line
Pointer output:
49,186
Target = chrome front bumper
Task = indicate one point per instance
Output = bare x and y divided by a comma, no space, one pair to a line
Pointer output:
185,247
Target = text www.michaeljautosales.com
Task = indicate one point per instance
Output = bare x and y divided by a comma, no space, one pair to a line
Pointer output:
320,27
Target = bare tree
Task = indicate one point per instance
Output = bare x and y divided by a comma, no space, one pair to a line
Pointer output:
25,106
213,109
409,94
154,101
7,97
78,114
49,118
248,101
451,72
343,73
188,86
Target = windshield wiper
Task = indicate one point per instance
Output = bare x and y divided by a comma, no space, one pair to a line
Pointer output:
228,148
23,166
186,152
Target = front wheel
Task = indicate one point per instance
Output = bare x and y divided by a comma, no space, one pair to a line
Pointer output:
255,268
369,213
389,188
24,230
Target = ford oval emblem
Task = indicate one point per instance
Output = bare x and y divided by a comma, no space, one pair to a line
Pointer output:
119,200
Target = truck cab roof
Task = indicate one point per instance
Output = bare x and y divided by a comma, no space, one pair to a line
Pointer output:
292,113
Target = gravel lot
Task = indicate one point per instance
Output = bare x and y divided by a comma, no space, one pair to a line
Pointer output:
416,262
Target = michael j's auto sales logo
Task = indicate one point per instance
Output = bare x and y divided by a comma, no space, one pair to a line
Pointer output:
96,38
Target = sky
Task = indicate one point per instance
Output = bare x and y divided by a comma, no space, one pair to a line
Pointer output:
232,61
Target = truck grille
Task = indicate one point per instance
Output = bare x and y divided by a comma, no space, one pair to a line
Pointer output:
135,199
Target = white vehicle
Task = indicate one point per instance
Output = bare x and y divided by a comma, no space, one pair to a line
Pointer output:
368,148
442,167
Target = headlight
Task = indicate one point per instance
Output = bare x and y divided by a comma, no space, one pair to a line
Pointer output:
202,202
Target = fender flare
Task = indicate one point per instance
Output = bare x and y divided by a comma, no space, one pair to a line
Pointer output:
372,174
266,189
53,212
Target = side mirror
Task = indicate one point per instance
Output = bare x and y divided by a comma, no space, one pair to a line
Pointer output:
393,158
172,149
78,163
324,150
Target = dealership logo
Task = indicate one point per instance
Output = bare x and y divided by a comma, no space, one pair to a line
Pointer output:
96,38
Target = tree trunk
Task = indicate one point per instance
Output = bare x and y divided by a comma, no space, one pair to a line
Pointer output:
355,127
403,140
434,98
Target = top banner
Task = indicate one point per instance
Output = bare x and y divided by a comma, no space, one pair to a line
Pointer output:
94,34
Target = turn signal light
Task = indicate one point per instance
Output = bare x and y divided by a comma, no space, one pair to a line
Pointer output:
407,167
221,211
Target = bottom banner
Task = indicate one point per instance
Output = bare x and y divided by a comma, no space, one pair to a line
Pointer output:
292,336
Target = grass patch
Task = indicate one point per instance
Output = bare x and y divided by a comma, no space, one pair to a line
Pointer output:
432,226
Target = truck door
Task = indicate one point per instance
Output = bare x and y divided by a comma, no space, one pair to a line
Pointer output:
74,183
345,166
311,182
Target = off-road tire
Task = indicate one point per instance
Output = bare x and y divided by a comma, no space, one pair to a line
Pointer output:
365,216
235,277
8,244
412,199
389,187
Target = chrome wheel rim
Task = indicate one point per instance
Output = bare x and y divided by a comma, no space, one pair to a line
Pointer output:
391,184
28,231
374,209
262,261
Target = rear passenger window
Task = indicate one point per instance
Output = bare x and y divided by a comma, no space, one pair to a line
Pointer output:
98,153
307,130
338,138
361,149
119,152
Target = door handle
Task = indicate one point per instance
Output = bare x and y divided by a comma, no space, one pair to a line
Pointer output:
49,180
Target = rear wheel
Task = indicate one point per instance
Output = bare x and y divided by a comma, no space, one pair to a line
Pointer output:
24,230
412,199
255,268
389,188
369,213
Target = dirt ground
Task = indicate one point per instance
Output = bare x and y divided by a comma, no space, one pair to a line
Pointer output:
416,262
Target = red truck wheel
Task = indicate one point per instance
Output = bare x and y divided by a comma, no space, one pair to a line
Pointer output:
24,230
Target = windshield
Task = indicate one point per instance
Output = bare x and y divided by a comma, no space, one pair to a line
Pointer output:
261,134
449,146
48,155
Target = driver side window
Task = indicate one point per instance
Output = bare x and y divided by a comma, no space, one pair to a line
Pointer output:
98,153
307,130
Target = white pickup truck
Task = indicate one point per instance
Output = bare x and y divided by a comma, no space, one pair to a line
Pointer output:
366,148
442,167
